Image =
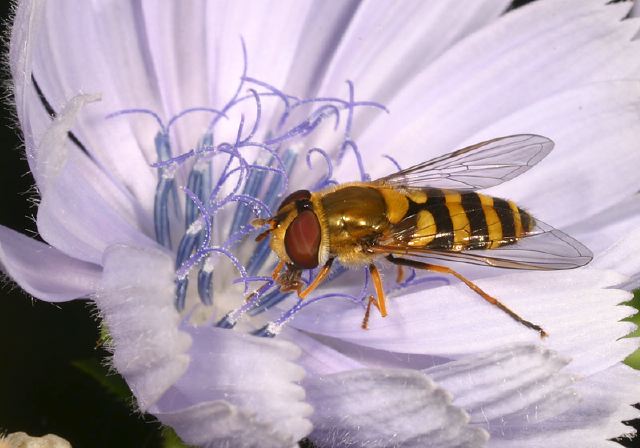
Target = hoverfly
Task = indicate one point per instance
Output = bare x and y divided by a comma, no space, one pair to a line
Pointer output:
428,211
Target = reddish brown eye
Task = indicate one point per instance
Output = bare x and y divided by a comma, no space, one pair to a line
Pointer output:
295,196
302,240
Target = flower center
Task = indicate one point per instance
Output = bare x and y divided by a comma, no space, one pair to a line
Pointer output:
207,196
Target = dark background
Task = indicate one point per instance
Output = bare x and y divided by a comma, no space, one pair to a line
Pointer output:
41,391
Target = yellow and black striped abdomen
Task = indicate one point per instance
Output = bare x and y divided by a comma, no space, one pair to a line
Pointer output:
456,221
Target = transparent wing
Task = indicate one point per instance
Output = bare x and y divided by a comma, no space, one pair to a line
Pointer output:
482,165
543,248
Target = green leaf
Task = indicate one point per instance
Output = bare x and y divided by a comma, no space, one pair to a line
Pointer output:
105,337
170,439
112,382
633,359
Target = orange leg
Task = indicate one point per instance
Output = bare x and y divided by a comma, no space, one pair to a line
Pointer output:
400,274
476,289
276,271
381,302
367,313
319,278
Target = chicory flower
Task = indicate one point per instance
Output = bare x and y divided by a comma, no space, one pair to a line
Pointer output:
176,124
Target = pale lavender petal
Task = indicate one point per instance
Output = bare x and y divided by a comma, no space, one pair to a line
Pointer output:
180,372
43,271
219,423
47,51
381,408
536,51
254,380
52,151
317,357
606,400
135,300
623,257
524,398
411,33
82,212
28,17
521,385
579,309
594,163
609,228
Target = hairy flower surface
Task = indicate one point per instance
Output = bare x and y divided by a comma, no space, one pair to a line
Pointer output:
156,132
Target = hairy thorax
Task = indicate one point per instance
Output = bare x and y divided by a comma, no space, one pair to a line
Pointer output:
355,216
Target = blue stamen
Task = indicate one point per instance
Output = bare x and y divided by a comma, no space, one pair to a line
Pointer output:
326,180
278,184
205,283
196,226
154,115
188,243
364,176
262,251
273,328
195,184
309,125
161,211
347,129
269,301
394,161
181,293
251,189
174,119
232,101
256,123
284,97
266,148
201,254
231,318
259,257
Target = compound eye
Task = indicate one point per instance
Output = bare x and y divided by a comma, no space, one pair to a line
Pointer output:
294,197
302,240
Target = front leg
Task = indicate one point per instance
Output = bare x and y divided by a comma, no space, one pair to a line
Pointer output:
319,278
288,277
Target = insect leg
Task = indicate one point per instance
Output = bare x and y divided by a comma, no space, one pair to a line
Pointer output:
381,303
319,278
400,274
367,313
480,292
276,271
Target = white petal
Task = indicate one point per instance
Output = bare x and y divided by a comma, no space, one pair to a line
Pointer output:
594,163
44,271
182,372
318,358
607,229
93,47
28,18
579,309
82,212
218,423
256,380
606,401
52,153
381,408
623,257
411,33
492,74
519,385
136,303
